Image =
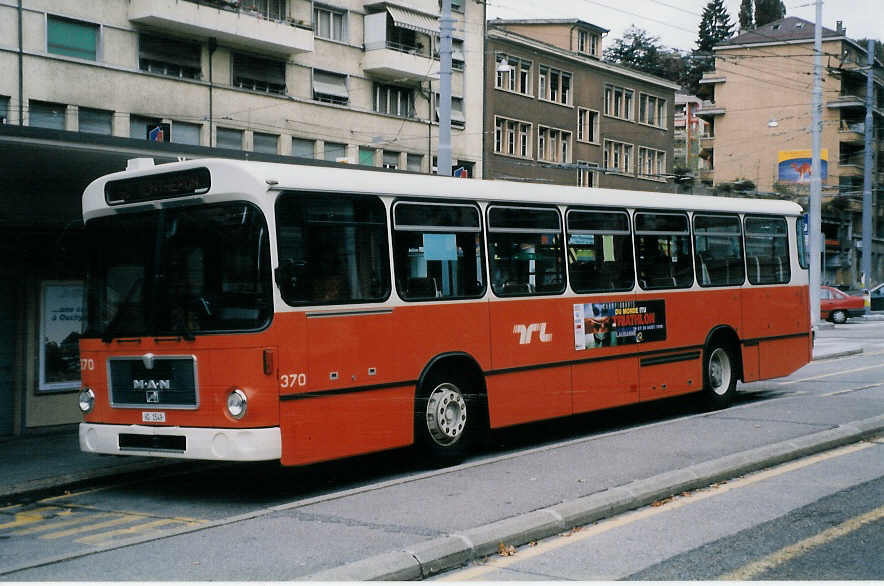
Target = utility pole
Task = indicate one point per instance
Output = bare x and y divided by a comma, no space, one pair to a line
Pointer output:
446,24
867,174
815,211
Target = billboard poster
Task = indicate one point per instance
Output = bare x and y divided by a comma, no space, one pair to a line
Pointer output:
615,323
795,166
61,321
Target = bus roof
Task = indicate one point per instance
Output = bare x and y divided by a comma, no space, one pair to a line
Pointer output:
254,178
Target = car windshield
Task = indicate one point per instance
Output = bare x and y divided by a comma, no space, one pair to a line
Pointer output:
181,271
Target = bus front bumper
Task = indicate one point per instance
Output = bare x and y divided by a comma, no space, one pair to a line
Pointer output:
196,443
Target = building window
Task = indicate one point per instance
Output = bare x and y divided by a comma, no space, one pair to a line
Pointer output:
72,38
140,126
170,57
95,121
4,109
302,147
652,110
554,86
366,156
414,163
457,56
512,138
329,23
651,163
587,43
335,152
258,74
517,79
553,145
330,87
587,174
228,138
587,125
619,102
186,133
394,100
269,9
618,157
458,120
390,160
265,143
46,115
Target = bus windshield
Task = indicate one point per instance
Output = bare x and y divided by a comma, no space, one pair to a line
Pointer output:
179,271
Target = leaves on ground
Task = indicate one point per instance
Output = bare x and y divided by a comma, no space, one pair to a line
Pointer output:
506,550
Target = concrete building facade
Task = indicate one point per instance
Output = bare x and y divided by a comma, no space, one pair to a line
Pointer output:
556,113
758,106
84,85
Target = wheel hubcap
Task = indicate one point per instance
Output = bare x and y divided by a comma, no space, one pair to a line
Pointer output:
446,414
719,371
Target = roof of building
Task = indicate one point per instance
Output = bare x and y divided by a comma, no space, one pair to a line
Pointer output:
787,29
547,21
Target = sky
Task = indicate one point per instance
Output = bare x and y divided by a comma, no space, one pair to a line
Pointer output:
676,21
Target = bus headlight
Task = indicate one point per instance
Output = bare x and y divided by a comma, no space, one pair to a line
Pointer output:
86,400
237,404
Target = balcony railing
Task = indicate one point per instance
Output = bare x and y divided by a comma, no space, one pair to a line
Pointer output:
233,23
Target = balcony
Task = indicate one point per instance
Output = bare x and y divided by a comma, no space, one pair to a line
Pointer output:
852,132
710,110
398,44
707,175
225,22
847,102
707,142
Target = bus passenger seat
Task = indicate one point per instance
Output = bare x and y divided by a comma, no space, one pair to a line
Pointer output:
424,287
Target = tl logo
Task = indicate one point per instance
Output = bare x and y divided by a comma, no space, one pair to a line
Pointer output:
526,332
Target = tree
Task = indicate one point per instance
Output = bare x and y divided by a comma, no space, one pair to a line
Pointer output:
639,50
746,20
715,26
767,11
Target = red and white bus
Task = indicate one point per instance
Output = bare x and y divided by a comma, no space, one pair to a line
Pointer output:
257,311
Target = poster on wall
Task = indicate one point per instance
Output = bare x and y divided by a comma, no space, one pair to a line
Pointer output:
615,323
61,322
795,166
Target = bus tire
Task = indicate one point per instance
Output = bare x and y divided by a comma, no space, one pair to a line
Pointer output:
448,417
719,375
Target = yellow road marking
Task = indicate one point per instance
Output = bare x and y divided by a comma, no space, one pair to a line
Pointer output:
554,543
780,557
103,537
87,528
838,373
27,517
62,524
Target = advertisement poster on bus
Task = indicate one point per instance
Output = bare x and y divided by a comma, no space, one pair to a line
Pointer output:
615,323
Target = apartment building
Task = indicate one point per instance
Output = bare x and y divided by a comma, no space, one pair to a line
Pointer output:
86,85
758,106
556,113
690,129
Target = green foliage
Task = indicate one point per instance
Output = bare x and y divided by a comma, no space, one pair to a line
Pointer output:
747,22
639,50
715,26
767,11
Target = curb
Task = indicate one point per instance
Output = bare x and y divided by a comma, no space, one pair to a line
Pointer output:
840,354
437,555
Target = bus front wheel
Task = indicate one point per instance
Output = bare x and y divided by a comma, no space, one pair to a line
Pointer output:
719,376
447,418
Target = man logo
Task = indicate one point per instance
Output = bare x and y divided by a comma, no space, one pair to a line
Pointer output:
526,332
152,396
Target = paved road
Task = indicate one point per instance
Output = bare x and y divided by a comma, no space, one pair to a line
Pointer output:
819,518
208,524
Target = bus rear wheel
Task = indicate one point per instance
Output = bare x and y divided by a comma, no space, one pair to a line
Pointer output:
448,418
719,376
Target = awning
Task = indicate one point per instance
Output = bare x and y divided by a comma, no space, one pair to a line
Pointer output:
330,84
416,21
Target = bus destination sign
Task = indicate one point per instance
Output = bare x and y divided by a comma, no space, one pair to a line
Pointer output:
158,186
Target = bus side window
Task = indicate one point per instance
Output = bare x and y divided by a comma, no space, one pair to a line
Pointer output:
718,246
332,249
525,251
599,251
663,250
437,251
767,250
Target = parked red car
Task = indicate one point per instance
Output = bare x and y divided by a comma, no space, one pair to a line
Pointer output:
836,306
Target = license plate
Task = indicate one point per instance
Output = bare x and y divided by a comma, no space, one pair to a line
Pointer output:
153,417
